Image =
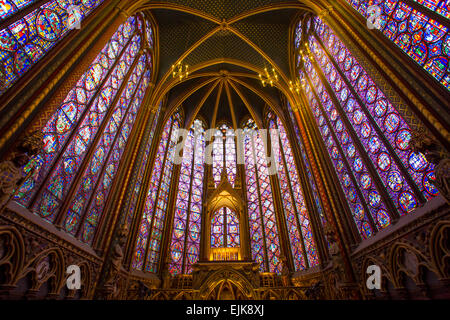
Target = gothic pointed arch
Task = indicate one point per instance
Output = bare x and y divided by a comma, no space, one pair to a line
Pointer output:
68,184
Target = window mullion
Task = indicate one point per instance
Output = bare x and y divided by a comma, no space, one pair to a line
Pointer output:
21,13
392,209
344,159
113,143
294,204
428,12
188,213
156,197
392,152
225,227
266,256
90,151
147,176
77,125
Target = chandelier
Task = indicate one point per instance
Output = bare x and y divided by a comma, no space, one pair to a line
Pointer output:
180,71
268,78
297,86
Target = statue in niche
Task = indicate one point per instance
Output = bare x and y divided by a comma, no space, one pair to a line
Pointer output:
425,143
442,173
11,170
314,292
166,277
11,176
117,255
336,259
285,273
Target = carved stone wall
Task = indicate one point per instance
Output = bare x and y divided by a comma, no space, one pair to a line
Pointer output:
413,254
414,258
34,260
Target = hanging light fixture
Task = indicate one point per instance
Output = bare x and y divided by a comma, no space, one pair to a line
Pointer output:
180,71
297,85
267,78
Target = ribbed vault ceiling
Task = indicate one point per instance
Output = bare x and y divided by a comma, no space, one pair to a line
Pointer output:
226,43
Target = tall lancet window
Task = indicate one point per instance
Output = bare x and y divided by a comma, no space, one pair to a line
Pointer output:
265,244
85,138
348,177
143,166
367,139
302,244
148,243
185,241
29,35
307,167
423,39
224,153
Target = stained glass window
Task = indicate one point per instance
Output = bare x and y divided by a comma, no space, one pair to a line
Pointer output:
143,166
147,251
307,167
386,117
265,244
224,154
106,152
61,175
302,244
367,139
225,229
298,34
439,6
185,243
218,156
345,172
86,136
29,38
423,39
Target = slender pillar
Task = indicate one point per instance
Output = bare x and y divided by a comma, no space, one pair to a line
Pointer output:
168,223
329,207
142,196
111,228
242,184
307,194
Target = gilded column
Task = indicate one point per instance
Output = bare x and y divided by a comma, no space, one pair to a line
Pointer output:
242,184
142,196
323,184
115,233
307,194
